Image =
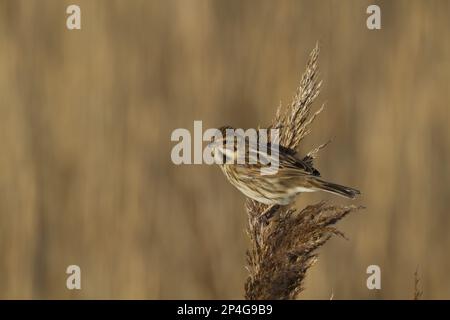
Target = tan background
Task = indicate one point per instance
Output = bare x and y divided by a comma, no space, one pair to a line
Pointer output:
86,118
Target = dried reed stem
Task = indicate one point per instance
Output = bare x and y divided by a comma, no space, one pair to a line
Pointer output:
417,288
285,247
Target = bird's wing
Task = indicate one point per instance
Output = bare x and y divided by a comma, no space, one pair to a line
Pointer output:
292,161
287,159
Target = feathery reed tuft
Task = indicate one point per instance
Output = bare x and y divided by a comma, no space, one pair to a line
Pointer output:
283,248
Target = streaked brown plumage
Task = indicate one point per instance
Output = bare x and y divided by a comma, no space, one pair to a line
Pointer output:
295,175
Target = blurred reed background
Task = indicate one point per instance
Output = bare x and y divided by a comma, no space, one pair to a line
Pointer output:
86,118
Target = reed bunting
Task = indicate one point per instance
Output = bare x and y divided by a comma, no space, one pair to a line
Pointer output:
294,174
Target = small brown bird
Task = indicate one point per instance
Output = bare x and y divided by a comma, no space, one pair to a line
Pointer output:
294,175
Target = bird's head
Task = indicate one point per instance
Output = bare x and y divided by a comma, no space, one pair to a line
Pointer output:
223,145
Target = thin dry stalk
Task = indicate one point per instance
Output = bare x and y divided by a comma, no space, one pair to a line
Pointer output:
285,247
417,288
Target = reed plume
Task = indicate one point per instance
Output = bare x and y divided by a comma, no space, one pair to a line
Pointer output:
284,247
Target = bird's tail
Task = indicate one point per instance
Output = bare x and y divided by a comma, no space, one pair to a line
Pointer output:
338,189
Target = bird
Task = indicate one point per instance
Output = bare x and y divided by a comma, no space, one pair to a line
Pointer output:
294,175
